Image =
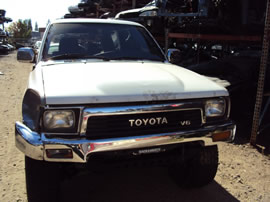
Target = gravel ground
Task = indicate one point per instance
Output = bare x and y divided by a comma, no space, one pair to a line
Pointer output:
243,174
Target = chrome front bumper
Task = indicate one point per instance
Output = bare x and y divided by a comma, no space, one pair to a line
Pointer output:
35,145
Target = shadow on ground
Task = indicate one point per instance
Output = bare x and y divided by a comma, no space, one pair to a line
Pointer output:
140,185
3,54
242,110
243,132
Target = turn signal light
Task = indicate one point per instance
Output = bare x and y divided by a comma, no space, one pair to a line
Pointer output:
221,136
59,153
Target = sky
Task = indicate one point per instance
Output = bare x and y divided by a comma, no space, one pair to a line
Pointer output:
37,10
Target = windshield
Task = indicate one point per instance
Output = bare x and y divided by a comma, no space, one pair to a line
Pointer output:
101,41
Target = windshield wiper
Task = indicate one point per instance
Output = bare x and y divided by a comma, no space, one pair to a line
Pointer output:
97,57
135,58
66,56
127,58
76,56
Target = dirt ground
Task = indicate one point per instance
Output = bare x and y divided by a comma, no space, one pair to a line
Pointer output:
243,174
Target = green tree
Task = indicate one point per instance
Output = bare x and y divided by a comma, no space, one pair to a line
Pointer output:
21,29
29,24
36,26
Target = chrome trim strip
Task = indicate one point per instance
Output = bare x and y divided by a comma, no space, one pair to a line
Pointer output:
121,110
228,100
34,145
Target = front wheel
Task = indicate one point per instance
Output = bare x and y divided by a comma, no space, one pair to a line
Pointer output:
42,180
196,171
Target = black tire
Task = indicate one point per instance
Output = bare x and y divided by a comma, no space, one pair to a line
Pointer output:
197,171
42,180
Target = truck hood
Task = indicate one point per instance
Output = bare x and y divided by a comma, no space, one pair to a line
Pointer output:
124,81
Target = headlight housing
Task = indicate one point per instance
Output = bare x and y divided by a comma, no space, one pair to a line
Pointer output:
215,107
59,121
31,109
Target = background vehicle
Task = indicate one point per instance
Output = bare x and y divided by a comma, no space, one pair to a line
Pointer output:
4,46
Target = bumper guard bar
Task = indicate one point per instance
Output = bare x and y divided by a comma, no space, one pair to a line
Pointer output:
34,145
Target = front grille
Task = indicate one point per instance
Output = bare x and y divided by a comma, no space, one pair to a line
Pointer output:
137,124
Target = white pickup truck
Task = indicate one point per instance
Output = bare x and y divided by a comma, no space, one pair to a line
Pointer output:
103,91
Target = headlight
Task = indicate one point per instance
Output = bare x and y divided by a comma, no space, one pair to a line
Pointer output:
148,14
215,108
59,119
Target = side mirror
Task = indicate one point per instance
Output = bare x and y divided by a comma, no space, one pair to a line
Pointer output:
174,55
26,55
